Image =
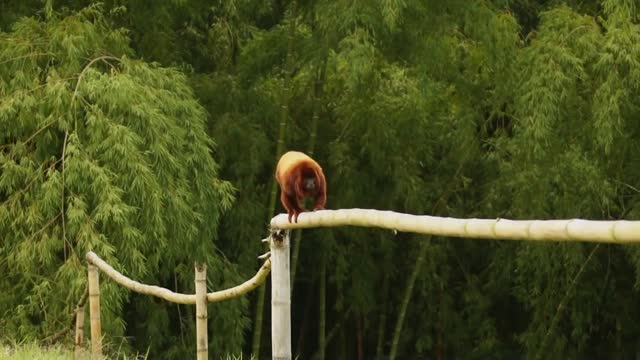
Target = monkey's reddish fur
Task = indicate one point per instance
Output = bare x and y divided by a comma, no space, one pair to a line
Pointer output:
291,171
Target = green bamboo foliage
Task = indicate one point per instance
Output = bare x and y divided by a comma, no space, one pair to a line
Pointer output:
107,154
536,98
569,109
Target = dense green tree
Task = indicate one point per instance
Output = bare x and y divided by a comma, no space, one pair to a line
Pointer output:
573,132
101,152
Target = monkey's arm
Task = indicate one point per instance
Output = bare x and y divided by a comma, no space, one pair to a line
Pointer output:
320,200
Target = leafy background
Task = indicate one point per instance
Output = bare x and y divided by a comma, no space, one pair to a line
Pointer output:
148,132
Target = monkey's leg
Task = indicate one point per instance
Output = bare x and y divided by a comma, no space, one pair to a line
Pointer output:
296,209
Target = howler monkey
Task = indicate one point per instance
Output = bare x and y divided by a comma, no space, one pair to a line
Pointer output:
299,177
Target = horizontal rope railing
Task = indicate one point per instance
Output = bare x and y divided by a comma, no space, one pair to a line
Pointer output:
618,231
169,295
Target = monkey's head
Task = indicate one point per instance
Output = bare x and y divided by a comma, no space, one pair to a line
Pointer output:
309,184
307,189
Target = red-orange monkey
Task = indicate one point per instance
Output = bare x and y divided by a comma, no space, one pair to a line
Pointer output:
299,177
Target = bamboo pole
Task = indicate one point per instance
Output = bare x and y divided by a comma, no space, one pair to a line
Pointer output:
280,148
404,305
618,231
280,297
322,305
201,312
178,298
78,352
94,313
200,299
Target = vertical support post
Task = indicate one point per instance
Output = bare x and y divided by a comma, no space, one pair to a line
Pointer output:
202,346
94,313
280,296
79,336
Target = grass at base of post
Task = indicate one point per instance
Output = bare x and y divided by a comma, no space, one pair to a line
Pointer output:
34,351
31,351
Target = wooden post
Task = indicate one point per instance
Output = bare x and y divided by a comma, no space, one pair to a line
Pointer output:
280,296
202,342
78,352
94,313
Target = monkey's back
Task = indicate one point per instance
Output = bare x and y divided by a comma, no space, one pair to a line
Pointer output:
289,161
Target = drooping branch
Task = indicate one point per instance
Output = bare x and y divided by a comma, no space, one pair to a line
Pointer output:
169,295
618,231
